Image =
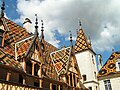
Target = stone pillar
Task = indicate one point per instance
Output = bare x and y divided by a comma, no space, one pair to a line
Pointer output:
40,75
33,66
58,87
50,86
24,79
8,76
24,65
78,83
72,79
76,80
69,79
41,83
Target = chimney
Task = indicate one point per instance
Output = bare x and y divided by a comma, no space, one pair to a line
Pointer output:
100,63
28,25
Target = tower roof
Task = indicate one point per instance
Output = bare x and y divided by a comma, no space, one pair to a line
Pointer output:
109,67
81,42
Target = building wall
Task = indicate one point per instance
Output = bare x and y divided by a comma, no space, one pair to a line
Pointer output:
14,77
87,65
115,83
3,74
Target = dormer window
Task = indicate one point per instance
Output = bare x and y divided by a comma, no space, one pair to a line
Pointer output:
1,34
118,64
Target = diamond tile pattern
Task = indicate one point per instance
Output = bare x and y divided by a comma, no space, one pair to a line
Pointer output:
50,72
60,60
13,34
110,66
81,42
6,59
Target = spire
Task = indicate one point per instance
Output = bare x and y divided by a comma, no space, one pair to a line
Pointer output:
77,31
2,9
36,25
89,41
42,35
80,24
71,39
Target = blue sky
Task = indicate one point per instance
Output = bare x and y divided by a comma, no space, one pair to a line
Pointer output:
61,16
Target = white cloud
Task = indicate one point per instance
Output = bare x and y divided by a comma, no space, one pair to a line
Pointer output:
62,15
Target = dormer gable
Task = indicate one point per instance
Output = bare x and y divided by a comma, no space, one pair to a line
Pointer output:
2,32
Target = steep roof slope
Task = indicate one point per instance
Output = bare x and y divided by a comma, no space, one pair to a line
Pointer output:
110,66
81,42
61,59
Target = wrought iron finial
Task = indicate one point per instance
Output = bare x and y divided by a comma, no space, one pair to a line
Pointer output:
36,25
80,24
71,38
2,9
77,31
42,26
42,29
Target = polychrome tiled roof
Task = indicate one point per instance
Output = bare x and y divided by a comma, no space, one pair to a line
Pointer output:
61,60
14,33
50,72
81,42
6,59
110,66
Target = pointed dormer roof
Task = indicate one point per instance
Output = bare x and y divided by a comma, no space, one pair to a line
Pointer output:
109,68
81,41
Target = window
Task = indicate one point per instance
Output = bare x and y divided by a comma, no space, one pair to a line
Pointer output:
107,85
1,37
95,75
90,88
84,77
118,65
93,60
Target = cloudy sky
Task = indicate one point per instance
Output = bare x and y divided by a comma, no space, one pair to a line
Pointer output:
100,20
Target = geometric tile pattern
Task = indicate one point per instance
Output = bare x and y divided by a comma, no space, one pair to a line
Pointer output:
6,59
110,66
13,34
81,42
50,69
60,60
22,49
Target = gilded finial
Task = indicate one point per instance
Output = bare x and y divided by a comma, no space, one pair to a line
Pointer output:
36,25
2,9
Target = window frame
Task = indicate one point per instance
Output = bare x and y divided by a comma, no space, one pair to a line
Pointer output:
118,64
107,85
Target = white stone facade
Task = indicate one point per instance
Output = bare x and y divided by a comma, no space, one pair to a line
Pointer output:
87,65
115,83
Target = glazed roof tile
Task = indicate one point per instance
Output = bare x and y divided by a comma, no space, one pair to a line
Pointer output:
6,59
60,60
13,34
110,66
81,42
